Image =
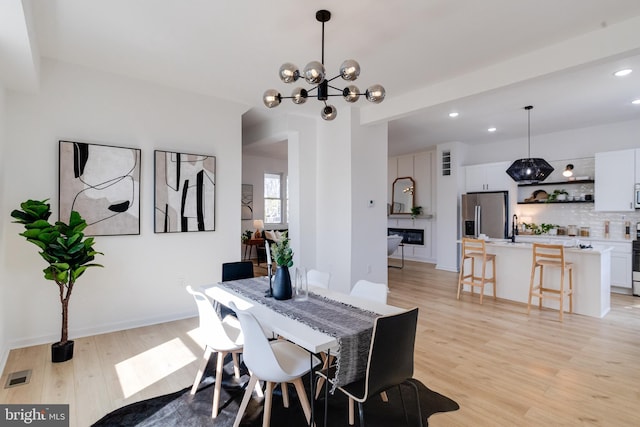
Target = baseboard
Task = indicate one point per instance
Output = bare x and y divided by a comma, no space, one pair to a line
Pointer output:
453,269
102,329
3,358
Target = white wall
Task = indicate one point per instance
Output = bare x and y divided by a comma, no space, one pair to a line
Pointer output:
144,275
368,183
253,170
303,208
4,218
351,170
334,187
449,188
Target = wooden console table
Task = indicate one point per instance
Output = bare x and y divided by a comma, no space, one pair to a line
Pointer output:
249,245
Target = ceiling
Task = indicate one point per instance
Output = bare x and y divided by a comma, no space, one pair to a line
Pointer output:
432,56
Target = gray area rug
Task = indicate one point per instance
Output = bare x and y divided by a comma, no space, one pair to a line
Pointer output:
182,409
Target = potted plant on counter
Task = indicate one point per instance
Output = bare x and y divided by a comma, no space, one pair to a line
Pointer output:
539,229
283,256
67,252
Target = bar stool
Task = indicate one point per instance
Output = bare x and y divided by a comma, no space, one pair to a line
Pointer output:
473,249
550,256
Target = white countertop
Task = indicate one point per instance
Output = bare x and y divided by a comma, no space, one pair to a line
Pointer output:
552,239
571,245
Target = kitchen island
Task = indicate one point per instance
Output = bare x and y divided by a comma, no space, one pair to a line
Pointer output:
591,276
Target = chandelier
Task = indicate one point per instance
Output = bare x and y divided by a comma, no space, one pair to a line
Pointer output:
314,74
529,170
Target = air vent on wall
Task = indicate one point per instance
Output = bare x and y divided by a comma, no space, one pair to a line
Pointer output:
446,163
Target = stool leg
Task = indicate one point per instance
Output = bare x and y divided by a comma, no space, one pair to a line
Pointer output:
561,292
473,274
540,287
571,290
484,274
493,277
533,274
460,277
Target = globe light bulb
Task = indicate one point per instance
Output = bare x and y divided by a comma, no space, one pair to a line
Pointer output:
271,98
351,93
314,72
329,113
375,94
299,95
288,72
350,70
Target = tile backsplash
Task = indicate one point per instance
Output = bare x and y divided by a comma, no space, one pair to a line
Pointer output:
579,214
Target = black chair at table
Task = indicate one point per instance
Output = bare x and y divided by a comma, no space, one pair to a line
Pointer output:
390,362
235,271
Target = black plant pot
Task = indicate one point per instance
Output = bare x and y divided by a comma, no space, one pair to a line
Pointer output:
61,352
282,283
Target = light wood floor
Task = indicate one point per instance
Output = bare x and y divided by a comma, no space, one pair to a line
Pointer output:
503,367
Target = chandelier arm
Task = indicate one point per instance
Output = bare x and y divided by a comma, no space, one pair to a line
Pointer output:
336,88
308,94
333,78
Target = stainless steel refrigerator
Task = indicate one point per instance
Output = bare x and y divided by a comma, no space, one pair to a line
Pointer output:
485,213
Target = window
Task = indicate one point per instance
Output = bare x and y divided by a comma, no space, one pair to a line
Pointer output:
275,198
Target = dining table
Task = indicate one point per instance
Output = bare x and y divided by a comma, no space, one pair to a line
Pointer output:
325,320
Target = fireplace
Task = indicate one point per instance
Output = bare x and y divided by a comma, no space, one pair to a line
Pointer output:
411,236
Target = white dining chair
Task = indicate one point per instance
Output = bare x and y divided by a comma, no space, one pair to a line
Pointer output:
318,278
221,337
370,290
275,362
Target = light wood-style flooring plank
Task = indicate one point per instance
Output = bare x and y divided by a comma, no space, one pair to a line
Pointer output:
503,367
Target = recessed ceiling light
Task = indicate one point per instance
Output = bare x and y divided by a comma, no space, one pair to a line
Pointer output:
454,114
636,101
492,129
622,73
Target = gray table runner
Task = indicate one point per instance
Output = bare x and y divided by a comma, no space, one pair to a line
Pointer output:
349,325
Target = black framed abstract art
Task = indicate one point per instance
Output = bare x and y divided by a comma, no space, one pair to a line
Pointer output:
247,201
102,183
185,189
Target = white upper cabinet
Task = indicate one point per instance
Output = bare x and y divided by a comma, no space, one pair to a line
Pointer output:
488,177
614,181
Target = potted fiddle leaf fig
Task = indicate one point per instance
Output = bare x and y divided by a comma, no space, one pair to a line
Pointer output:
283,256
67,252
